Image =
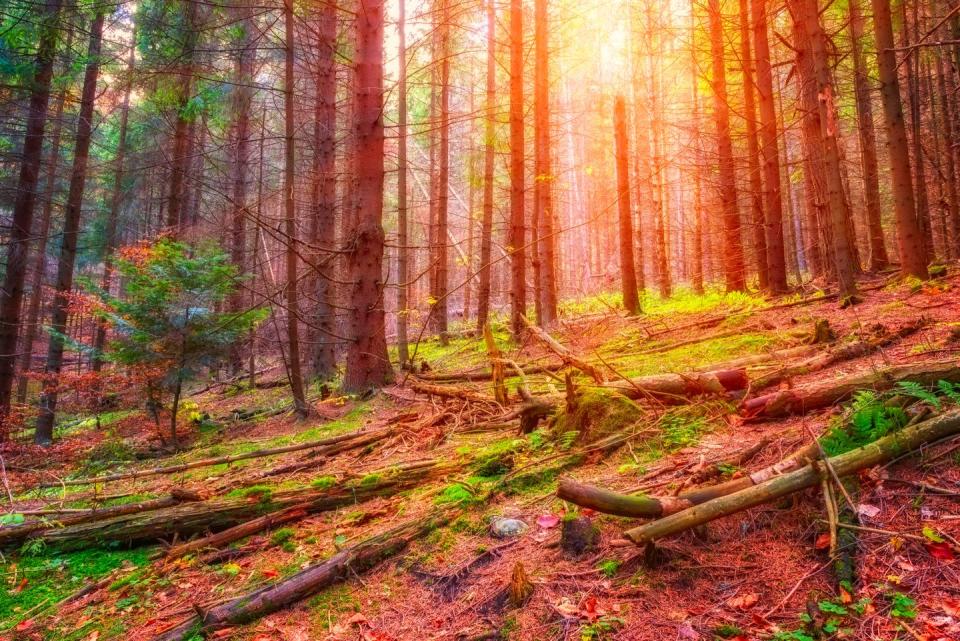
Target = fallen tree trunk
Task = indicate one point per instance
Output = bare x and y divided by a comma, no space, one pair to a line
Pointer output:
482,375
215,515
332,445
786,402
568,357
20,532
640,506
271,598
682,386
880,451
836,355
449,391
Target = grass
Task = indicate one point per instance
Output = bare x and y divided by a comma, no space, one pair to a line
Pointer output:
34,583
683,301
690,357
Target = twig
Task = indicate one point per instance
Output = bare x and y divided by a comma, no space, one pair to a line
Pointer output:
794,590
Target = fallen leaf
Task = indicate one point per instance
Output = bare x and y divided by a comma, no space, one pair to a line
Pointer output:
744,601
357,619
867,510
24,625
822,542
548,521
940,551
951,606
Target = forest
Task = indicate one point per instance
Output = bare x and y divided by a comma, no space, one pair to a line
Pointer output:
479,320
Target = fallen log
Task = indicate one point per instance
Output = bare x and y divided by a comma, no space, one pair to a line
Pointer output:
214,515
640,506
787,402
565,354
880,451
482,375
448,391
836,355
682,386
333,445
276,596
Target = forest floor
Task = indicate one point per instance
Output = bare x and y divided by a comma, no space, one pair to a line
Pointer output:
758,574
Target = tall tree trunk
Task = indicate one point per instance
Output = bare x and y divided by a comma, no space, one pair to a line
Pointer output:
913,256
753,151
489,157
733,266
22,221
290,219
181,133
403,241
631,299
517,237
367,362
807,15
868,141
323,363
697,251
439,304
947,91
543,172
116,200
770,153
641,131
71,229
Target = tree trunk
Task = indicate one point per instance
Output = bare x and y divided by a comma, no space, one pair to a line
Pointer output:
71,229
21,225
543,172
947,91
770,153
181,133
489,157
913,258
628,276
517,236
403,241
439,304
753,151
733,266
367,362
868,141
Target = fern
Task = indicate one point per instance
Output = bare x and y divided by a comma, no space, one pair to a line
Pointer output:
914,389
869,419
567,439
950,390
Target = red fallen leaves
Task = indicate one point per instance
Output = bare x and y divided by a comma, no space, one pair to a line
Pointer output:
743,601
951,606
940,550
822,542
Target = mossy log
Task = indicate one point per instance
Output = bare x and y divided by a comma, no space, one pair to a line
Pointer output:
215,515
276,596
835,355
331,445
799,401
880,451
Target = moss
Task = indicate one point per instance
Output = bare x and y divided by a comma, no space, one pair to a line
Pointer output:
263,493
324,482
283,535
332,602
597,414
455,493
50,578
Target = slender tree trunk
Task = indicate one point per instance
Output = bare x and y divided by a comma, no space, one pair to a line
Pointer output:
71,229
439,304
868,141
116,200
913,256
22,221
753,151
181,134
733,247
290,219
631,299
770,153
543,172
947,90
489,157
697,251
323,363
367,362
403,241
517,236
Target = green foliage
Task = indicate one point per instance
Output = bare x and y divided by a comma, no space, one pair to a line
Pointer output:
917,391
869,419
281,536
902,606
792,635
456,493
829,607
324,482
602,628
597,414
727,631
609,567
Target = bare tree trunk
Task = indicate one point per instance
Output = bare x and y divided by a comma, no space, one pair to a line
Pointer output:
403,240
947,90
517,236
486,230
115,201
439,304
71,229
367,362
22,221
772,198
913,257
733,266
323,357
753,150
543,173
290,219
698,258
628,276
181,132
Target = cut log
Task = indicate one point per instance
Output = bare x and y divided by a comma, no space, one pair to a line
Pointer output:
880,451
276,596
836,355
215,515
332,445
787,402
565,354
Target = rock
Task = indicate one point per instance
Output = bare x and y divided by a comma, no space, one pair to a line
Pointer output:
507,528
579,535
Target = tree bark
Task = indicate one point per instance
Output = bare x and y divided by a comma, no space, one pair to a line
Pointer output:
489,151
403,241
628,275
543,172
517,236
181,134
